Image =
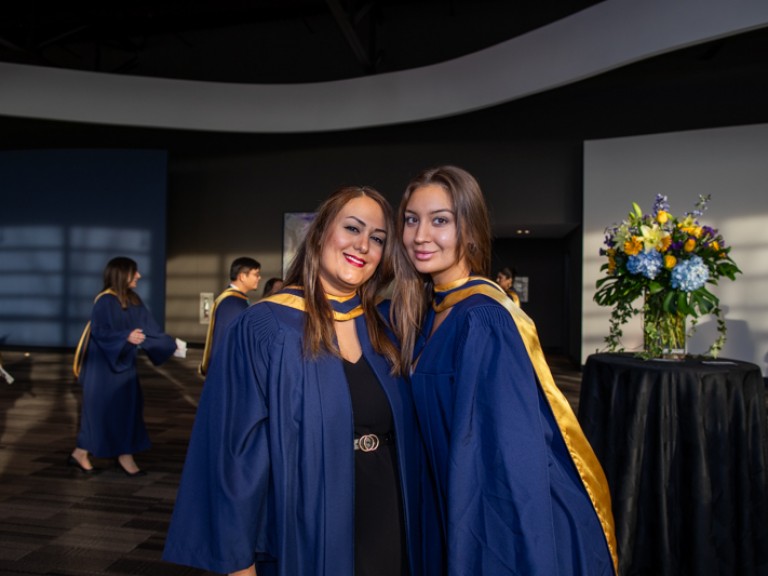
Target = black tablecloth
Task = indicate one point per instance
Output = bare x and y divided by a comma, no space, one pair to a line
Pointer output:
683,445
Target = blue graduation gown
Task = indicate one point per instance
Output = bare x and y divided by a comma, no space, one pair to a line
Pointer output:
112,421
511,498
226,308
269,474
226,311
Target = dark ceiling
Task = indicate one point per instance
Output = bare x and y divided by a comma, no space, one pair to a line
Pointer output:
263,41
720,83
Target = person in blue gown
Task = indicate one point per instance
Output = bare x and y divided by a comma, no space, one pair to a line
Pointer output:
305,457
272,286
506,279
112,418
244,276
520,490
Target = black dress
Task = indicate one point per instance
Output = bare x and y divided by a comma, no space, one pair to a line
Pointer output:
379,528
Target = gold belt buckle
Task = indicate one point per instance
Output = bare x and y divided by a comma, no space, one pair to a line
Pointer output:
367,443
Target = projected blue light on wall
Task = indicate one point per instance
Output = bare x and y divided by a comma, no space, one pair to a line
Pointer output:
65,214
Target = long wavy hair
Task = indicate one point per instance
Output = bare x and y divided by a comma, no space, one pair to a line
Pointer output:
304,271
117,276
412,292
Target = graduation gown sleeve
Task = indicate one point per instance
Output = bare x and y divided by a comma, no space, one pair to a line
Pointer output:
158,345
496,436
220,519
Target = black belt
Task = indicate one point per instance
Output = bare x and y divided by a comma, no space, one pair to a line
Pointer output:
371,442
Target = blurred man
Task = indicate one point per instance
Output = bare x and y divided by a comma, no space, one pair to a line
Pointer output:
244,275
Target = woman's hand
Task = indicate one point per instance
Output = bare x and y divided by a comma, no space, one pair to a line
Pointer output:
250,571
137,336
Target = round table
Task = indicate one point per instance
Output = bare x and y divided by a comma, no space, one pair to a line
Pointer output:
683,445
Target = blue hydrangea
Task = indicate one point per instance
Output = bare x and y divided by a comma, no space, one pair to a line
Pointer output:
649,264
690,275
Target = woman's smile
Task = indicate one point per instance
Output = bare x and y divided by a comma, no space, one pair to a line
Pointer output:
354,260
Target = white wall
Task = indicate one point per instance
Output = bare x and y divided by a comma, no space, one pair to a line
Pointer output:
731,164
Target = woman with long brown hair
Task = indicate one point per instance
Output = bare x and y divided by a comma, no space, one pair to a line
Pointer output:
305,457
112,420
520,490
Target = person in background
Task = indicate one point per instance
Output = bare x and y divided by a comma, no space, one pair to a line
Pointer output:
520,490
305,457
506,279
272,286
112,419
244,276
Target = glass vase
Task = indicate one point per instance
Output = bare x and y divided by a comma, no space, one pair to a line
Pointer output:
664,332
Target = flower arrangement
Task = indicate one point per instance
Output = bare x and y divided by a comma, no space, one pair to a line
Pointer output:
670,262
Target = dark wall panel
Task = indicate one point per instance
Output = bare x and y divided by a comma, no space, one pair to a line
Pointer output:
64,214
546,265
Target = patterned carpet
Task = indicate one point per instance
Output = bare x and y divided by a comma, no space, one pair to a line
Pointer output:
56,521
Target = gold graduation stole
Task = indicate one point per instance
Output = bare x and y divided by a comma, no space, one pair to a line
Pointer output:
581,452
82,344
203,368
515,297
344,307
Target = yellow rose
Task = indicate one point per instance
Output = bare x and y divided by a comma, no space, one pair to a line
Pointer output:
715,245
690,245
662,217
669,261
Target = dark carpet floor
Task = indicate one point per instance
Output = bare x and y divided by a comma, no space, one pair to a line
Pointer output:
57,521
